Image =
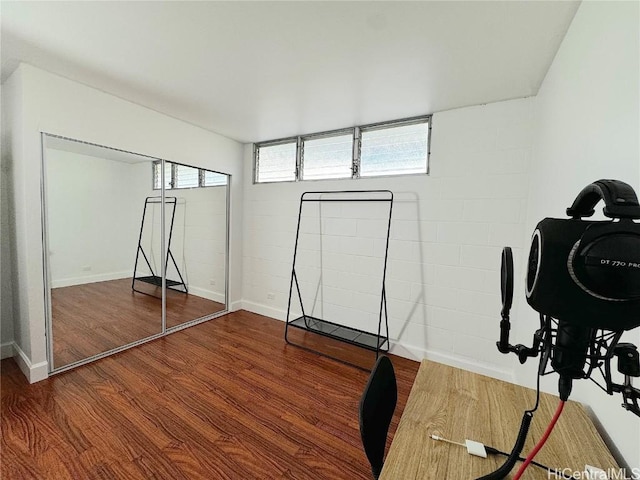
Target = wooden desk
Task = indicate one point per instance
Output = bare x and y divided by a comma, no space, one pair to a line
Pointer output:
457,404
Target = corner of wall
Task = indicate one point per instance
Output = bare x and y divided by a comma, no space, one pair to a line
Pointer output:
34,372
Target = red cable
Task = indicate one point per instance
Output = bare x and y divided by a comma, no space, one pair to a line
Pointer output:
541,442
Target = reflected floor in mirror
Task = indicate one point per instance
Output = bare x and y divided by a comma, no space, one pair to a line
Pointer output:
96,317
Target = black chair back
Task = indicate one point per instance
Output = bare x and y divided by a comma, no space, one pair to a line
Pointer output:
377,405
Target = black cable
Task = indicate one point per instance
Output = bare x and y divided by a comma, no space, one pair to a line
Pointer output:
494,451
540,367
514,456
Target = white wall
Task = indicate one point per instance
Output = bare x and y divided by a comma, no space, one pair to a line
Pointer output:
94,210
12,148
446,237
6,293
63,107
586,128
11,128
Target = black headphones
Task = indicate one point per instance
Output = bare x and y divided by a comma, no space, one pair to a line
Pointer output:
588,272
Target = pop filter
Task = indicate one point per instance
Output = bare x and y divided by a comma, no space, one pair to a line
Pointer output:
506,280
506,287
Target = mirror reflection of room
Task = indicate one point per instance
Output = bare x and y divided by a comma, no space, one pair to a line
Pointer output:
104,211
195,242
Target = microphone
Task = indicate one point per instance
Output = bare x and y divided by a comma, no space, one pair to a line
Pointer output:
570,355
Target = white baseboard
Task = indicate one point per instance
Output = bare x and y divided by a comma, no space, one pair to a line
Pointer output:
265,310
208,294
407,351
417,353
102,277
34,372
6,350
235,306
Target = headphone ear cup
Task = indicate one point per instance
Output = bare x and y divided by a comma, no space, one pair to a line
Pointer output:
548,286
607,266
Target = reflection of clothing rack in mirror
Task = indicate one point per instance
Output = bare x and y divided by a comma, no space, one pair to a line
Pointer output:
155,279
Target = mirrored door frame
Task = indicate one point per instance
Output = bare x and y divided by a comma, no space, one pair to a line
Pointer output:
47,267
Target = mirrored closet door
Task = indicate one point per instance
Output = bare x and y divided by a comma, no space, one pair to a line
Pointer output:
111,233
195,241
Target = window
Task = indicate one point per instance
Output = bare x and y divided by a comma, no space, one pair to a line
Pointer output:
392,148
213,179
184,176
276,163
157,175
327,157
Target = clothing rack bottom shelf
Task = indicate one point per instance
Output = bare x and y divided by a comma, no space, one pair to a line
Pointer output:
363,339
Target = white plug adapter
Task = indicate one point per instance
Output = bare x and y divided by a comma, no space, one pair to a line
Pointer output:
476,448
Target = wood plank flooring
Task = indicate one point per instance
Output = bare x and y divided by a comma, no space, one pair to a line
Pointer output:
226,399
96,317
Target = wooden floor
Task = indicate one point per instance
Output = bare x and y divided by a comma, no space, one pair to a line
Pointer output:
226,399
96,317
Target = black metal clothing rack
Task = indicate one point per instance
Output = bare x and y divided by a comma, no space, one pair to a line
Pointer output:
154,278
371,341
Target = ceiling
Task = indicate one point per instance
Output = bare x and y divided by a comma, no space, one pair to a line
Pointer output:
263,70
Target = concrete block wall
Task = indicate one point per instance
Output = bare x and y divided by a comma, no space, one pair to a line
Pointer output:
447,232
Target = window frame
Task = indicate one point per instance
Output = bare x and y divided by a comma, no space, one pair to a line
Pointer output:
356,132
172,182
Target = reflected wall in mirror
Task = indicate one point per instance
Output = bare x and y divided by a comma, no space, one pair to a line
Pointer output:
104,234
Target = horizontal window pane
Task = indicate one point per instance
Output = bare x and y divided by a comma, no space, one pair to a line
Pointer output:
328,157
213,179
157,177
186,177
395,150
277,163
